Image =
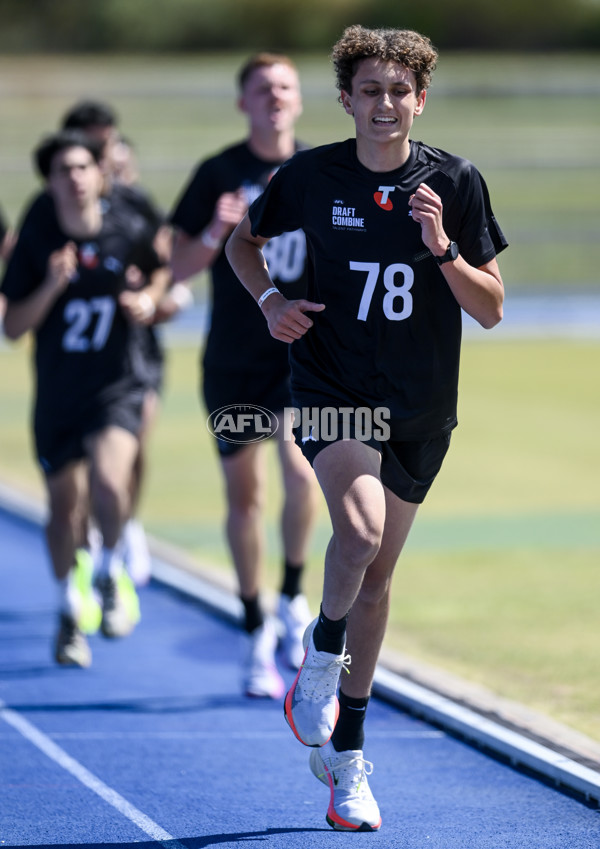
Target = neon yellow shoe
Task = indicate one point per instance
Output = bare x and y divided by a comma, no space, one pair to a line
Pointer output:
90,614
129,597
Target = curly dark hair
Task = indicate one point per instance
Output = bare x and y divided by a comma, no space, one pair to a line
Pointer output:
411,49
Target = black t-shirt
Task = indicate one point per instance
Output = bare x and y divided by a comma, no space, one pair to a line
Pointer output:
85,352
127,198
391,330
136,198
238,337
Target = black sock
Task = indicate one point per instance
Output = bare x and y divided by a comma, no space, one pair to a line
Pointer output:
330,634
253,615
292,576
349,730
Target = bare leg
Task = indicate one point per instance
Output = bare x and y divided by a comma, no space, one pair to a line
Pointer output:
348,472
370,526
369,615
245,485
300,499
112,455
245,481
297,522
149,415
68,496
68,501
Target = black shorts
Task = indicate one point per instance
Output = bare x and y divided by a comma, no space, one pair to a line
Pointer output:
148,357
59,443
245,389
408,467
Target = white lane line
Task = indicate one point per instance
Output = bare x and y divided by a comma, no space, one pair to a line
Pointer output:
62,759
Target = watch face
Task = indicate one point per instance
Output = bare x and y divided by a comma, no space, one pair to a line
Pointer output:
450,255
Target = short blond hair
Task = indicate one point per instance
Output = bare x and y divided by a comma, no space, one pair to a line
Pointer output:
265,59
405,46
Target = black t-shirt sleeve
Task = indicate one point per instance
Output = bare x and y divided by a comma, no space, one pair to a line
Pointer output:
195,207
143,254
145,206
471,221
22,275
125,229
496,235
137,199
280,207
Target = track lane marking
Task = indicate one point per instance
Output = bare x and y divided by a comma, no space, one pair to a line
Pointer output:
87,778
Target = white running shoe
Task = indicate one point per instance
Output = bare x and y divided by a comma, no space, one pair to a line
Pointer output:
311,706
261,678
294,615
71,647
351,803
117,617
136,554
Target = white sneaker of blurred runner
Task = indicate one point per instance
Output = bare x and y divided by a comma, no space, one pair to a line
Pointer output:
136,555
94,543
261,678
294,615
117,617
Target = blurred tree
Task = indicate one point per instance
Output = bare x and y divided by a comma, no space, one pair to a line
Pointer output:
169,25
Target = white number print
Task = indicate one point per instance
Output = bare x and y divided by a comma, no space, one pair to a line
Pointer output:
79,315
394,291
285,256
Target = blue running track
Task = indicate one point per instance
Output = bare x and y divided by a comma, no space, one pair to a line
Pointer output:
155,746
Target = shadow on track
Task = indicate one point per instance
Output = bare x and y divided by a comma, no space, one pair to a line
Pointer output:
189,842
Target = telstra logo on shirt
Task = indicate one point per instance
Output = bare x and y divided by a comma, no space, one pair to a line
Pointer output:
382,197
88,255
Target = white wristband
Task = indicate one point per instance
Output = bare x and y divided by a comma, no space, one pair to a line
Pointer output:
266,294
148,306
181,296
210,241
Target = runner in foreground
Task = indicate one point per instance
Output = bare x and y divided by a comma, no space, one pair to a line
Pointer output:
401,236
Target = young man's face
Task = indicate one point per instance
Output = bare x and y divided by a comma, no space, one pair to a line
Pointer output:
384,101
271,98
75,179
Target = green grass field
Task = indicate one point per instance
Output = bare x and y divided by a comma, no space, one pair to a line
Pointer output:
499,581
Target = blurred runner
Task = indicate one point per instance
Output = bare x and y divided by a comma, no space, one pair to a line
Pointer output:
99,121
243,366
66,282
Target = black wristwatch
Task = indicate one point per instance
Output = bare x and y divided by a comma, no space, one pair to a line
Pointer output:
450,255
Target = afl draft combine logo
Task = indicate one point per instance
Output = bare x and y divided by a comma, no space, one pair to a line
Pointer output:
242,423
382,197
